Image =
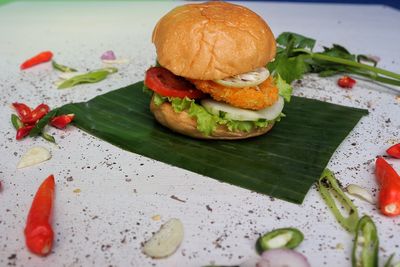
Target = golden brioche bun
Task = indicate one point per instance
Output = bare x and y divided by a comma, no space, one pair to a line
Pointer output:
182,123
213,40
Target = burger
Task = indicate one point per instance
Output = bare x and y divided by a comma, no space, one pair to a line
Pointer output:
211,80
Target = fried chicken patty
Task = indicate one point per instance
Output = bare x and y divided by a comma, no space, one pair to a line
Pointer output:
255,98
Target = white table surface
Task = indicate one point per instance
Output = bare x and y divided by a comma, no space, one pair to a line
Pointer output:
105,224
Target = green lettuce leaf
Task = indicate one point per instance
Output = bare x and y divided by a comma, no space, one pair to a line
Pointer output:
158,100
207,122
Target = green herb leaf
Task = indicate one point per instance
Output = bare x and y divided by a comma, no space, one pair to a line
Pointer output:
366,244
62,68
90,77
38,129
388,263
338,51
48,137
285,89
289,68
330,189
16,122
298,41
295,58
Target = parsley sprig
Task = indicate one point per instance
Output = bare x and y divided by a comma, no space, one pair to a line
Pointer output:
295,57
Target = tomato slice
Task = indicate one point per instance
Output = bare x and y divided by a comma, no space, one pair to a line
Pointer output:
165,83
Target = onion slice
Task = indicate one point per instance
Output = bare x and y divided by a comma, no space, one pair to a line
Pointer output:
247,79
283,258
233,113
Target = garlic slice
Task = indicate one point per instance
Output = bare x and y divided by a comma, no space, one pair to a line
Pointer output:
33,156
166,241
360,192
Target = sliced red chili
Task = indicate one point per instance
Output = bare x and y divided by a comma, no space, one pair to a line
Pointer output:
62,121
389,194
22,109
346,82
38,59
36,114
38,231
394,151
24,131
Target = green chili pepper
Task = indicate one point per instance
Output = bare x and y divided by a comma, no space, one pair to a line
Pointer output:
62,68
16,122
48,137
366,244
90,77
330,189
280,238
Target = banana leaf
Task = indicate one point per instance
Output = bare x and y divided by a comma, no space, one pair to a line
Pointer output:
283,163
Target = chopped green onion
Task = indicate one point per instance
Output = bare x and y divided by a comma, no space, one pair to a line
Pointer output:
38,129
366,244
280,238
329,190
90,77
389,261
62,68
48,137
16,122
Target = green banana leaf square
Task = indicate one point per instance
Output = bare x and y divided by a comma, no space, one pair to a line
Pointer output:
283,163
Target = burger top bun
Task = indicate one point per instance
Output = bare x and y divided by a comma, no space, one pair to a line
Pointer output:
183,123
213,40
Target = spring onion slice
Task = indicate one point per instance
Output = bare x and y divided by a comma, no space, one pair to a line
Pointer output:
16,122
330,190
48,137
251,78
280,238
62,68
366,244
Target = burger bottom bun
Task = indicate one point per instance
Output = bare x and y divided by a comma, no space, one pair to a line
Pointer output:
182,123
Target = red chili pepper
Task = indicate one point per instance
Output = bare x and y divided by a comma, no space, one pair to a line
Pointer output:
394,151
24,131
389,181
346,82
38,59
22,109
62,121
36,114
38,231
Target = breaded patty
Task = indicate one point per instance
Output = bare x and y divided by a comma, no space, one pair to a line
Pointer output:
255,98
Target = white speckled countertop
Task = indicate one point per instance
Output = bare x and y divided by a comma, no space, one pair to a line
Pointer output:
120,192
